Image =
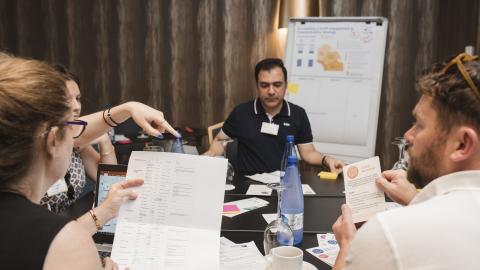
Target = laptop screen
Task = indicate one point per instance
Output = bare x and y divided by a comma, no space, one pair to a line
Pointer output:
107,175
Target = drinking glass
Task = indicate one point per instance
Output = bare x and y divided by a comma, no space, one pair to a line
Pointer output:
402,163
277,233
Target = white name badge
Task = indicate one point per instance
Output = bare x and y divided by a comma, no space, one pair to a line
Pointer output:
269,128
59,187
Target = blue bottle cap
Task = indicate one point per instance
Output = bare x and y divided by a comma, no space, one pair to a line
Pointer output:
290,138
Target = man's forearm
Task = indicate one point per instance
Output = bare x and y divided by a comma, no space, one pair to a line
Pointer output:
312,157
216,149
340,262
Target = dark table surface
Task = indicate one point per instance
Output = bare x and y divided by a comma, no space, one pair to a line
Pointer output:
321,211
309,241
322,187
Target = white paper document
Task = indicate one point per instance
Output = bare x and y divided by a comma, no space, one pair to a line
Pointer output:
172,224
307,189
269,217
263,190
361,193
266,178
224,242
260,190
241,256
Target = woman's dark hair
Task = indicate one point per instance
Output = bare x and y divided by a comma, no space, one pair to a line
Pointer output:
69,76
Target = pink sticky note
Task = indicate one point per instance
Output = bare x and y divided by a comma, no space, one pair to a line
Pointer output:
230,208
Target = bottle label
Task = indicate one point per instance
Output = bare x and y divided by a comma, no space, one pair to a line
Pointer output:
295,221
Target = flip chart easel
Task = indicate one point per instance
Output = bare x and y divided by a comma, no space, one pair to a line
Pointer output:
335,69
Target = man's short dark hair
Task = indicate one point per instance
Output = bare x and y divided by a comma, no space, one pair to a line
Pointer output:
268,64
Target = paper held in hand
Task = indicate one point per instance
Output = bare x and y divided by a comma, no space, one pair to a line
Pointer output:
175,221
361,193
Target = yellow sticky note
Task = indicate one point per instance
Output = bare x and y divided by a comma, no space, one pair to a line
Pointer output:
292,88
328,175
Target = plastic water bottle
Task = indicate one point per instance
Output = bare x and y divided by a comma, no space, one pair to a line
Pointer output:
289,150
291,205
177,146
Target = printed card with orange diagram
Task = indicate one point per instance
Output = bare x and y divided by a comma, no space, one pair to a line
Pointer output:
361,193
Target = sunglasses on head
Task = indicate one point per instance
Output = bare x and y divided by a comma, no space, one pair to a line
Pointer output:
458,61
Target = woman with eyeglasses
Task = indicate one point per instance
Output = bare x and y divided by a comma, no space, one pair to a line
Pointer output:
84,160
93,129
37,130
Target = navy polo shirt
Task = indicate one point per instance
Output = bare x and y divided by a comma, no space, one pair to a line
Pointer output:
259,152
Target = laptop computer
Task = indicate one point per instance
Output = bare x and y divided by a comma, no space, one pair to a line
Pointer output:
107,174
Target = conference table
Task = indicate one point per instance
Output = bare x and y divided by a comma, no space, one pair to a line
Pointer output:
321,211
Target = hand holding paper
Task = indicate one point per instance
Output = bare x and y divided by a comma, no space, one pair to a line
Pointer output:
362,194
397,186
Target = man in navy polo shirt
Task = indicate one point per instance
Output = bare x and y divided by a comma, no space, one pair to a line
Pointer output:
261,126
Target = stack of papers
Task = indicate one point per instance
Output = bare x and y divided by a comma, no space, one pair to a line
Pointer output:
327,249
172,224
231,209
263,190
266,178
259,190
240,256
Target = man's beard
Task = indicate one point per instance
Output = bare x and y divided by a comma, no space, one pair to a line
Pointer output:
424,168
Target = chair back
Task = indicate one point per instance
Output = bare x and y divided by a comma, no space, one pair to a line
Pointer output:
213,130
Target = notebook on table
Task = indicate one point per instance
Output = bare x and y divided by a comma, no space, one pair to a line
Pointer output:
107,175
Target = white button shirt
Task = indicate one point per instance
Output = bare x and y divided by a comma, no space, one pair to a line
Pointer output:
439,229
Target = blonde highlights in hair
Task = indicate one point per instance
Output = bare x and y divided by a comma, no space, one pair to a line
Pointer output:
32,96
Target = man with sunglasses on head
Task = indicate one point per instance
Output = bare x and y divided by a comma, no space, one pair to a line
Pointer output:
439,226
261,126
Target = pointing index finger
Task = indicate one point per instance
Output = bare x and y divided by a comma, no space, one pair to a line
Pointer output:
170,129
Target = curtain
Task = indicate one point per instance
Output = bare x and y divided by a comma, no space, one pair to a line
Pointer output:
194,59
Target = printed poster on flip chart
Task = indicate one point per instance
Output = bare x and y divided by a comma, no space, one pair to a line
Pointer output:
361,193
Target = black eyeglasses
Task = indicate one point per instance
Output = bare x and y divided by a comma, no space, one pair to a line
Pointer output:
81,126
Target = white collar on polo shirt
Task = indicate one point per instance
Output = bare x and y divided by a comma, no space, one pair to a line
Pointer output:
256,112
458,181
